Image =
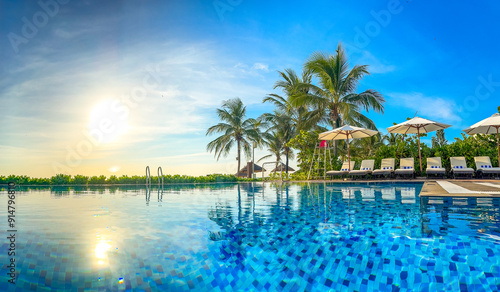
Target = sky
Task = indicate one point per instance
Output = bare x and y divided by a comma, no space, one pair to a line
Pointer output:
110,87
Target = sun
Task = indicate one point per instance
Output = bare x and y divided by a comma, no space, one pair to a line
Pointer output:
108,121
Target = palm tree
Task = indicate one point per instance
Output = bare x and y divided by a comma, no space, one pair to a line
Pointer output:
336,96
366,147
234,128
439,140
392,139
274,145
293,87
283,128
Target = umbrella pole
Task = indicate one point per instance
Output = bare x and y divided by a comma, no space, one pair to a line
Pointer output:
348,154
419,154
324,164
498,149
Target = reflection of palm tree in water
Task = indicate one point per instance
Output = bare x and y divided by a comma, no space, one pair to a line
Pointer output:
237,236
275,238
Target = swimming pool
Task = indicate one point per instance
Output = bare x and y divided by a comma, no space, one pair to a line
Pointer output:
226,237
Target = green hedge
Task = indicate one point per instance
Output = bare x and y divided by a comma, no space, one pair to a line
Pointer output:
401,147
63,179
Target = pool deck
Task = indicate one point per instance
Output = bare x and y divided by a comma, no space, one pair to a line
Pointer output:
444,187
461,188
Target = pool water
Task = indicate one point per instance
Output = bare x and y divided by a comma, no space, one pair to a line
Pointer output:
240,237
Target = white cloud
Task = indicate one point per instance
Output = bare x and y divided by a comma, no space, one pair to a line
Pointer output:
431,107
260,66
58,94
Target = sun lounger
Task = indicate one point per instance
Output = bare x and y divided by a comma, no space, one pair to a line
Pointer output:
459,167
386,168
484,168
365,169
434,167
344,170
406,167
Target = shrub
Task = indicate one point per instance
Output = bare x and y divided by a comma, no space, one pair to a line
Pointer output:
60,179
80,179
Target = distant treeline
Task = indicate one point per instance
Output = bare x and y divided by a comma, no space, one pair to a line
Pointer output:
63,179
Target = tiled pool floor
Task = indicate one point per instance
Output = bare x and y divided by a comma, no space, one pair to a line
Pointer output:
298,237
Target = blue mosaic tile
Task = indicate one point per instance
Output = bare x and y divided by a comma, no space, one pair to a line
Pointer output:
296,238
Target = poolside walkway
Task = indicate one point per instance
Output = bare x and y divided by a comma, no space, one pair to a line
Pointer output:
461,188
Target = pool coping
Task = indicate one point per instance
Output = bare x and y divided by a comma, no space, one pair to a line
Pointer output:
461,188
432,188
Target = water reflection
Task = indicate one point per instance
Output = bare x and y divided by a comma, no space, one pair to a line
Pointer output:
286,216
148,194
256,237
100,251
464,216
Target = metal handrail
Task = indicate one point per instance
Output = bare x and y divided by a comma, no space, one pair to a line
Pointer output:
148,176
160,170
276,163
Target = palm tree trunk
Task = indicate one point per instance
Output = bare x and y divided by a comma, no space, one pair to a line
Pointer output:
239,150
286,162
336,124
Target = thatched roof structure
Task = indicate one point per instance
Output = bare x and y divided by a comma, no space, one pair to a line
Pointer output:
282,167
243,171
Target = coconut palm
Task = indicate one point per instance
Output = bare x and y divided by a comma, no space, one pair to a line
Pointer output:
235,129
294,86
365,148
392,139
282,126
335,95
336,91
274,145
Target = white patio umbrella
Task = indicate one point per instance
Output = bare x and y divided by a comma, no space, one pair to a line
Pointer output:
417,126
344,133
487,126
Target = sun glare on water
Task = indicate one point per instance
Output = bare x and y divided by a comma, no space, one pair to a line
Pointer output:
108,121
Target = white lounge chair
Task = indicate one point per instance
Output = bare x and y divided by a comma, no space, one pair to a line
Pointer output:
365,169
406,167
459,167
344,170
386,168
484,168
434,167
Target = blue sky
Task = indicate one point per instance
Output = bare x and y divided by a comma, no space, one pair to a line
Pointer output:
144,79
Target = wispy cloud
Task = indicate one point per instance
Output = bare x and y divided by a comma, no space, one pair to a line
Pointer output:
364,57
260,66
431,107
188,83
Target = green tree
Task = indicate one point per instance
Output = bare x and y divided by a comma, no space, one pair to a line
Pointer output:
366,147
80,179
60,179
294,87
274,145
283,128
234,128
439,140
335,96
112,180
97,180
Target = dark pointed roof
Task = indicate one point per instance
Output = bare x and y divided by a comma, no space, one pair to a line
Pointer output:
282,167
243,171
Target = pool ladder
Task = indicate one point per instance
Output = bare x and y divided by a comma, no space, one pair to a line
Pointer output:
159,173
160,183
148,176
